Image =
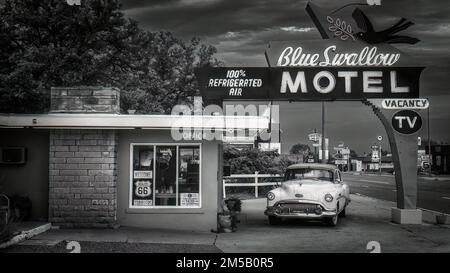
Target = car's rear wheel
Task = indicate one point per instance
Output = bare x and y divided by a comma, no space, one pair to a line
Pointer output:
273,220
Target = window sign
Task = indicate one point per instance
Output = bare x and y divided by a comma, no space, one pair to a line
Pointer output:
165,176
142,180
188,176
189,199
143,174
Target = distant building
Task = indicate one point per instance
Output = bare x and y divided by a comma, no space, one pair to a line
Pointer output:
440,158
368,164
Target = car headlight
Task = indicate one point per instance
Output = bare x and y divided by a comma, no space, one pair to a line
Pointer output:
270,196
328,197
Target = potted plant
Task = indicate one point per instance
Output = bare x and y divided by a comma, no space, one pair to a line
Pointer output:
234,207
225,222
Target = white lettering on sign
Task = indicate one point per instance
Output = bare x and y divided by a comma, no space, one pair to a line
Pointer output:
400,120
405,104
368,56
235,80
348,75
395,88
74,2
286,81
371,80
331,82
235,83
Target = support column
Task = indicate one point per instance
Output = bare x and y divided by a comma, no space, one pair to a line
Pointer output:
404,154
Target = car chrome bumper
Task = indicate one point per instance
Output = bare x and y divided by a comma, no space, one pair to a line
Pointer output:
287,213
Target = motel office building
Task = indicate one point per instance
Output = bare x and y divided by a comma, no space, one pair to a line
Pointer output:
88,166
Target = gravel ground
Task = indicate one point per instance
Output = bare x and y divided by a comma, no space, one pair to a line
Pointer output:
114,247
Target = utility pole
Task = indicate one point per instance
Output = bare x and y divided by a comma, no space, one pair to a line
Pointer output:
315,147
379,146
323,132
429,139
379,138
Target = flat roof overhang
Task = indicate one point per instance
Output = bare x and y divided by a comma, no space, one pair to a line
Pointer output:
118,121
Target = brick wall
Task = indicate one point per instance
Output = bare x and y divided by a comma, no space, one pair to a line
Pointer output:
85,99
83,176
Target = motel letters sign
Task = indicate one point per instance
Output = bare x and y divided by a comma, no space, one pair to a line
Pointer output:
309,83
317,70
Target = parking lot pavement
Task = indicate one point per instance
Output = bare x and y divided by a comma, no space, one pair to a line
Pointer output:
367,220
431,194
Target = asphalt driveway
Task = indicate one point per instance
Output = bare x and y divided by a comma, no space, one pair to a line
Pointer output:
367,223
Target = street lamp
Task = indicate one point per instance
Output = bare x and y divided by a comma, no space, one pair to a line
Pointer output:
380,138
430,158
323,133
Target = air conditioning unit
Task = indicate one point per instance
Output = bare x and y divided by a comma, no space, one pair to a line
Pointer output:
13,155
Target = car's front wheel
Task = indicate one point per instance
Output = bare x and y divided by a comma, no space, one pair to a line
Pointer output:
332,221
273,220
342,213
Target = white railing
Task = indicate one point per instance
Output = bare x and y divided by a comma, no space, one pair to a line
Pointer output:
256,177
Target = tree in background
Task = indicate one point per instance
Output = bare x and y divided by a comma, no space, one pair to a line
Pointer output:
50,43
250,160
301,150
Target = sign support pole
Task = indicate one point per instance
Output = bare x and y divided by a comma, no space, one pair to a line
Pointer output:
430,158
404,154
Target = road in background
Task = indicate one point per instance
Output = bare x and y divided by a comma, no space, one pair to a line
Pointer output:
432,194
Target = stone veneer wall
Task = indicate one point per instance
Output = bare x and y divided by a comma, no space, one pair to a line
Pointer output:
83,177
85,99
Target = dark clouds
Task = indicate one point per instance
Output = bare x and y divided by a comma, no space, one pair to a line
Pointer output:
240,29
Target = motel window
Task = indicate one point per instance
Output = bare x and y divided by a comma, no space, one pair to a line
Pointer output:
165,176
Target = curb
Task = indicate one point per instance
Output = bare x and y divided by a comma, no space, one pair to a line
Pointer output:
26,235
435,178
429,216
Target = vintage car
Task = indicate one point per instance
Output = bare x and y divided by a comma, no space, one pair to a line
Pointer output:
309,191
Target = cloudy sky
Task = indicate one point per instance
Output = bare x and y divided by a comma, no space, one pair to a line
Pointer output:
240,30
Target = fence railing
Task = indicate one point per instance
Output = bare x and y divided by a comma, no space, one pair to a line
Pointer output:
256,182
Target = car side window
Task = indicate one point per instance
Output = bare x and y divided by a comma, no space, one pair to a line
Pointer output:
338,176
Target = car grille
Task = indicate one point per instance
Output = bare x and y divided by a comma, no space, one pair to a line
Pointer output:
297,207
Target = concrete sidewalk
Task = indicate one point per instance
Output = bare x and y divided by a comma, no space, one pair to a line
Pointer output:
367,220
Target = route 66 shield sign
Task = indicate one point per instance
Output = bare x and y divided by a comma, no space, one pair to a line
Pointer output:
143,188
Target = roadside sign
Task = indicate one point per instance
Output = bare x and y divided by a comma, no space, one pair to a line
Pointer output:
234,82
314,137
405,104
407,122
340,162
380,138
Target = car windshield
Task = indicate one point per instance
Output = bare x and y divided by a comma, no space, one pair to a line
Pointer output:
306,173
